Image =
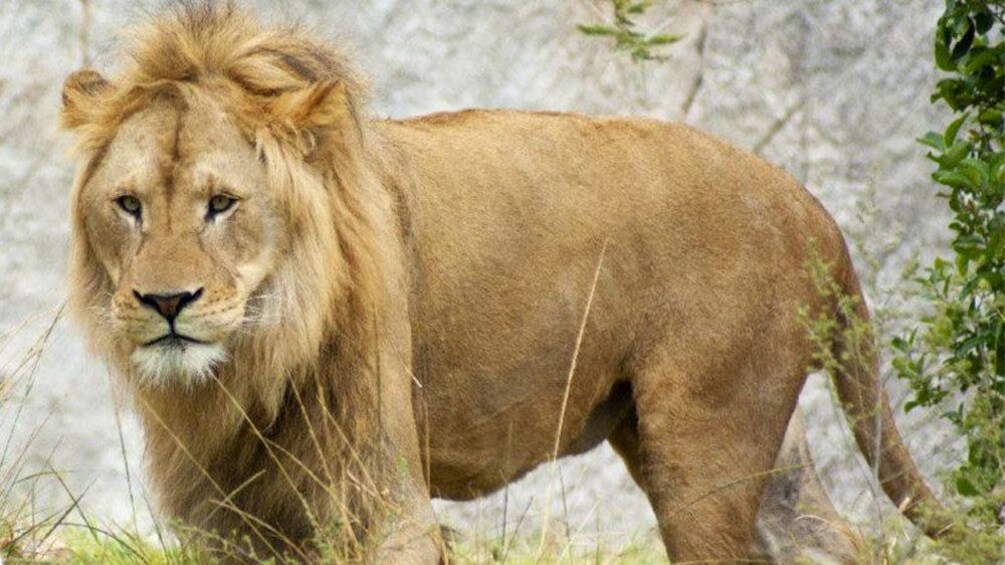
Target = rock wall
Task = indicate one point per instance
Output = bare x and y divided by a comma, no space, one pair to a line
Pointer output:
835,91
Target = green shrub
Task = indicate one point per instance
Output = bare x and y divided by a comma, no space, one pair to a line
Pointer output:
955,355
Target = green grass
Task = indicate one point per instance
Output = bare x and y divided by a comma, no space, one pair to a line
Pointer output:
112,549
82,547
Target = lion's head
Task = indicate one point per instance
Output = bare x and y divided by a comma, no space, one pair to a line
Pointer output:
219,210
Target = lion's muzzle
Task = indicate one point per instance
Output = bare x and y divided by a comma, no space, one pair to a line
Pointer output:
168,305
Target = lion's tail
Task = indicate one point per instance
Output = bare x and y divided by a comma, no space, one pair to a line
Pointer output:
868,410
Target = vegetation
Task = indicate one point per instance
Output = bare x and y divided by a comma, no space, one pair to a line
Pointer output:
624,30
954,358
25,529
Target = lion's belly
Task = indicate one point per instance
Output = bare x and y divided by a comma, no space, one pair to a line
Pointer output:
493,350
472,452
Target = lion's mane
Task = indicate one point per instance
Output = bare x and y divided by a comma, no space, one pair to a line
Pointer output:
303,367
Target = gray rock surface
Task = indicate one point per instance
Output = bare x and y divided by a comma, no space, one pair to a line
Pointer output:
835,91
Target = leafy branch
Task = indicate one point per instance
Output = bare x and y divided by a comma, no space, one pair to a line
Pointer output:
627,38
956,354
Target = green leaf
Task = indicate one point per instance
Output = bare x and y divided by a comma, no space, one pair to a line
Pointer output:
942,56
990,117
996,243
965,487
663,39
638,7
982,59
899,343
968,247
950,136
999,173
962,47
956,153
596,29
976,171
953,179
983,21
933,140
1000,351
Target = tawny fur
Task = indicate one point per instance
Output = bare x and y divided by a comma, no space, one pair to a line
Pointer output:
399,300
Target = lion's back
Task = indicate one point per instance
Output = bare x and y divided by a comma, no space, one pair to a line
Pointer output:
529,182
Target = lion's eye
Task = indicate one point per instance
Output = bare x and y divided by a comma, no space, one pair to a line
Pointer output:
130,205
219,204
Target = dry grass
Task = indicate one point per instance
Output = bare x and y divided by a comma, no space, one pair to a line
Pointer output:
30,532
33,532
26,529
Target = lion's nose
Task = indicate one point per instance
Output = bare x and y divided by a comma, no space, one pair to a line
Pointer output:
168,305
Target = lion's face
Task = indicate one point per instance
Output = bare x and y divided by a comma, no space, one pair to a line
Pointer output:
178,215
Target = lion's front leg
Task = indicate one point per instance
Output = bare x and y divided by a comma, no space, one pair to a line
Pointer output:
409,533
405,526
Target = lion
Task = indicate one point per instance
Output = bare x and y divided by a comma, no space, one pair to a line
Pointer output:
796,521
325,319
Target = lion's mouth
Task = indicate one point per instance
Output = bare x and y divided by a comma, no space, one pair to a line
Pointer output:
172,340
176,357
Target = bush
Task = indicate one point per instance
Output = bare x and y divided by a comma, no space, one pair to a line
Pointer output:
955,356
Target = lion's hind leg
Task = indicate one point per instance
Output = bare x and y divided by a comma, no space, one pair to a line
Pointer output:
701,449
797,521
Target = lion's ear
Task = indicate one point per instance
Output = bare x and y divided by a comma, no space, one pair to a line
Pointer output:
322,105
83,92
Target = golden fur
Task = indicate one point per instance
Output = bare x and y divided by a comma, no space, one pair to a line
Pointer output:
390,308
292,96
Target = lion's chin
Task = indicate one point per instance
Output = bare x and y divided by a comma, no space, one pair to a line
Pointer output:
176,363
